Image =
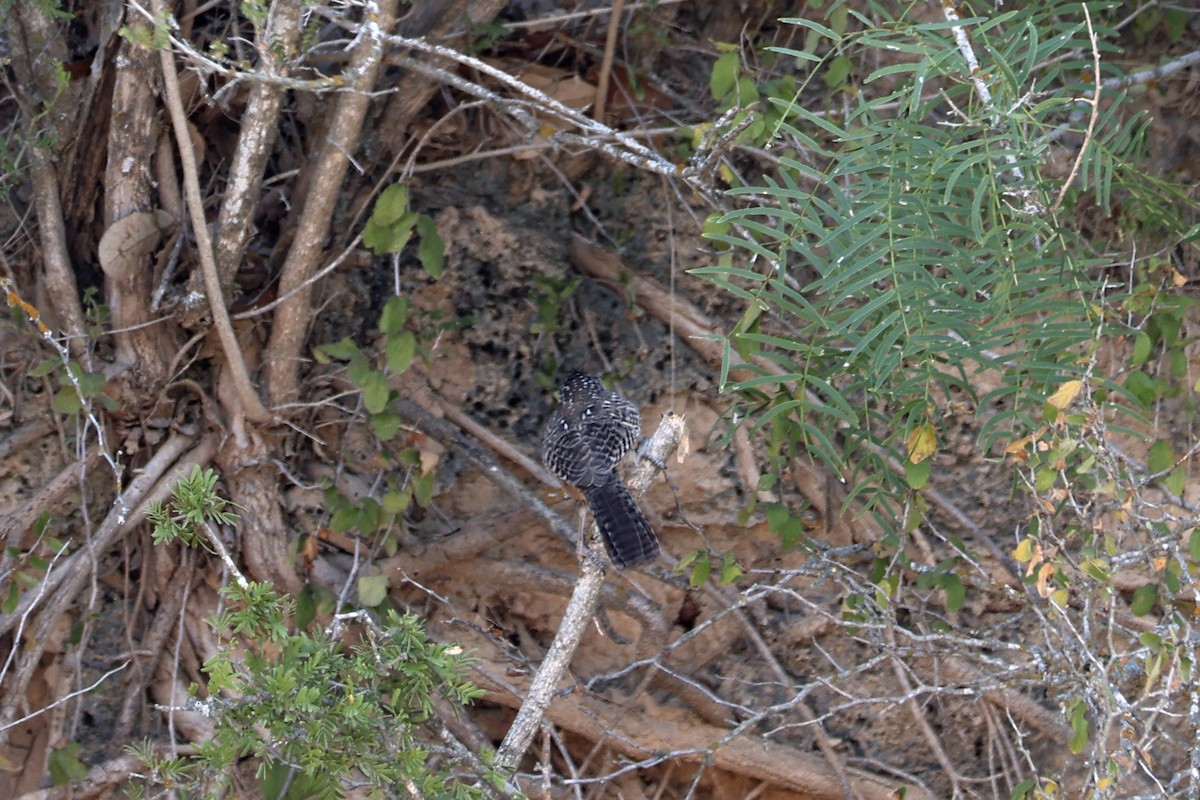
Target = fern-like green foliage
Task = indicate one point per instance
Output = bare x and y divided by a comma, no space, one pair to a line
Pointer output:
908,240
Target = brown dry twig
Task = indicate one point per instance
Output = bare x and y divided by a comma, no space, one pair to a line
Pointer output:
1095,104
252,406
610,48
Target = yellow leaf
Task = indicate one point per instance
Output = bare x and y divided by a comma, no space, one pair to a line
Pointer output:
922,443
1018,446
1065,395
1177,279
1059,598
1023,551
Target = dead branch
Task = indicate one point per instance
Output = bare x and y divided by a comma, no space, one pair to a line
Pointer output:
453,439
645,737
99,781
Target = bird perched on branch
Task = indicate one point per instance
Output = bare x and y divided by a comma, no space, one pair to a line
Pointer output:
585,439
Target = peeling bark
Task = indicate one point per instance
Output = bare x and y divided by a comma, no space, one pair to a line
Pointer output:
128,181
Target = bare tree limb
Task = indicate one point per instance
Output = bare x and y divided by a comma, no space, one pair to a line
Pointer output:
259,128
294,315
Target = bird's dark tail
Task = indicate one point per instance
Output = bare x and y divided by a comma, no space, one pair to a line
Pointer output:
626,532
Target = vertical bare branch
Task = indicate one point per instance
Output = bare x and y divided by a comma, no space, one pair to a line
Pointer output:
259,125
293,317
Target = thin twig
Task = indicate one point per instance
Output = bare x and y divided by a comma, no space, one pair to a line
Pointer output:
499,445
610,48
64,698
1091,127
1158,73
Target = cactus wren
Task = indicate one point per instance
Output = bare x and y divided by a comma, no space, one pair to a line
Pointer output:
585,439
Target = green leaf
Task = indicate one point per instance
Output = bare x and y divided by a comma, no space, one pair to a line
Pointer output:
343,519
375,392
65,765
386,424
432,252
394,315
1044,478
400,351
747,91
1175,21
814,26
368,517
1143,387
1141,349
344,350
1176,481
730,570
791,532
1096,569
44,367
389,238
9,605
66,401
391,205
955,592
91,383
1143,599
1178,361
777,515
1079,725
917,475
359,370
724,75
423,489
396,502
1194,545
838,71
799,55
372,590
1161,456
1024,789
701,569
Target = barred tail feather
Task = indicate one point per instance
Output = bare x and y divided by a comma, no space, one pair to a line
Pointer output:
626,532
